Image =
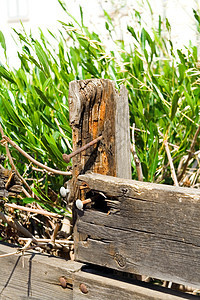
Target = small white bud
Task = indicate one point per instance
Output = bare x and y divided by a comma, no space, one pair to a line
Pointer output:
79,204
63,191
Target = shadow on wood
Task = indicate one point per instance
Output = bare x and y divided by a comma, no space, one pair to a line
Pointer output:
36,276
145,229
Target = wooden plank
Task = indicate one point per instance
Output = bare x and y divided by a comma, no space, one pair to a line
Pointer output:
37,279
102,286
141,228
95,108
140,190
36,276
122,135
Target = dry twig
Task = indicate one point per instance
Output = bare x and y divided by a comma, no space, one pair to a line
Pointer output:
55,232
14,224
36,211
21,250
191,151
136,158
58,172
12,163
171,163
26,193
67,242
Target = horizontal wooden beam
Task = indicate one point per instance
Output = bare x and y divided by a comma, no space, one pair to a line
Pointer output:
100,285
36,276
141,228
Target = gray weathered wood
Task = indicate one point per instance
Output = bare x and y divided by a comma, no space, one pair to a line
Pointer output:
146,229
122,135
36,276
38,279
102,287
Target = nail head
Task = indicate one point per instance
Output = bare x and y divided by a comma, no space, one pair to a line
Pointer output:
66,158
79,204
83,288
63,281
63,191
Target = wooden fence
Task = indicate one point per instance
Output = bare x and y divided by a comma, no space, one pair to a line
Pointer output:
127,227
141,228
39,276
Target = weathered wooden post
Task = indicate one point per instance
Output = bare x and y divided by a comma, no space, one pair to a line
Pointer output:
131,226
95,109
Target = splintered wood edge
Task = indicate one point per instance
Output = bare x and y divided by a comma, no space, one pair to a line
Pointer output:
143,190
112,109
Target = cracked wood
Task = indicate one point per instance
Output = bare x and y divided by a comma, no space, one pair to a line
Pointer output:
96,108
153,231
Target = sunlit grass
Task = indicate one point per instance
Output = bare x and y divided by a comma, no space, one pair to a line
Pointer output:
163,86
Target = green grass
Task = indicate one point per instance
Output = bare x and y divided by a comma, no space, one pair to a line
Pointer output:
163,86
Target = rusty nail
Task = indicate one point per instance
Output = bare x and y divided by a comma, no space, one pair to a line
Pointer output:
83,288
87,201
63,282
79,203
67,157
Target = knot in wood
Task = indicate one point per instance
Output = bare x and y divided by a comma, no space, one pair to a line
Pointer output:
121,261
124,191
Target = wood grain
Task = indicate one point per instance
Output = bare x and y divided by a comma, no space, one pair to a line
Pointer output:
38,279
96,108
147,229
92,113
36,276
122,135
108,287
